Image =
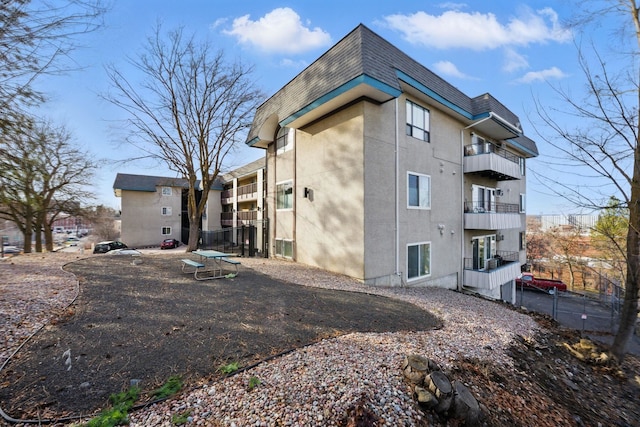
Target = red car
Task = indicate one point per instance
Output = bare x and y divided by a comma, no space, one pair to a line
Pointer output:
527,280
169,244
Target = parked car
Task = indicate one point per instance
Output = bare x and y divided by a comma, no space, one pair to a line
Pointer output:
527,280
71,241
169,244
11,250
104,247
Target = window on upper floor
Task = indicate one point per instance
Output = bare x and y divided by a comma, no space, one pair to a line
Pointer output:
284,195
523,206
283,141
523,241
166,231
418,260
523,166
418,191
166,191
166,211
417,121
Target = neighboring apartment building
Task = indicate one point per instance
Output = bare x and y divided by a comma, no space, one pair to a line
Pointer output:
379,169
153,208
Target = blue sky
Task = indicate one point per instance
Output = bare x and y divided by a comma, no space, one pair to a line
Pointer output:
510,49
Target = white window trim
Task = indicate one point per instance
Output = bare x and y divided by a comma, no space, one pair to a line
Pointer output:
166,234
282,255
412,279
166,191
408,189
166,211
523,203
292,195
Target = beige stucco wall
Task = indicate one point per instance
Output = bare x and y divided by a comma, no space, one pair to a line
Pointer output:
442,224
142,218
330,222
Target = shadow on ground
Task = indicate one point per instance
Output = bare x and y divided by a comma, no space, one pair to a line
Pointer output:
149,321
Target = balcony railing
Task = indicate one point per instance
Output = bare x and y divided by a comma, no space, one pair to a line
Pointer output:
492,162
476,149
501,259
244,192
493,207
242,217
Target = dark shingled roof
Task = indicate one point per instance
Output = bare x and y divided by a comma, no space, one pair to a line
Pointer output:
364,53
147,183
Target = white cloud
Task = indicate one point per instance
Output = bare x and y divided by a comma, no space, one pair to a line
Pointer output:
543,75
290,63
479,31
513,61
452,6
278,31
449,69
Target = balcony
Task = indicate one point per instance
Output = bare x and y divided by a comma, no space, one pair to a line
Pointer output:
491,216
242,218
497,271
244,193
491,161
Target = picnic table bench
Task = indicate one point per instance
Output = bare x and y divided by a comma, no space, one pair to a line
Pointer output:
202,271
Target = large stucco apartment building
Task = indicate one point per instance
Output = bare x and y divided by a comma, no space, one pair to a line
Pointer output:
378,169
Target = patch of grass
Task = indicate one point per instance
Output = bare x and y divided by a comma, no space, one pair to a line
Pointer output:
181,418
171,387
119,413
229,368
253,383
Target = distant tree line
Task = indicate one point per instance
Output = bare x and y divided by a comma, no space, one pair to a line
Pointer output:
43,172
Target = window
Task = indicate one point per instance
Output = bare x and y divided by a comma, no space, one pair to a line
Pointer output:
283,141
523,166
523,241
418,260
166,231
522,203
417,121
284,248
166,191
418,191
284,195
166,211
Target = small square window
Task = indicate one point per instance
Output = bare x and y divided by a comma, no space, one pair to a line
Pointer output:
166,191
284,248
166,211
166,231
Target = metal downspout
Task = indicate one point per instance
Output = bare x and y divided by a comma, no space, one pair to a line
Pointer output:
462,233
397,196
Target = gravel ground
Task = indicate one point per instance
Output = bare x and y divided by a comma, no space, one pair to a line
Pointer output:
315,385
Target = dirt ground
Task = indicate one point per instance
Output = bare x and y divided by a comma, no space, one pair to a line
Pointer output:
148,322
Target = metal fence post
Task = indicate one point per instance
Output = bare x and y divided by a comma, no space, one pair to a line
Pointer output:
554,310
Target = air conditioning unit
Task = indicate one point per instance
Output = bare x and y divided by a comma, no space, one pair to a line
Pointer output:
499,192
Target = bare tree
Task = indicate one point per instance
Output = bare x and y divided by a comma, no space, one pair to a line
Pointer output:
36,38
44,174
190,111
605,144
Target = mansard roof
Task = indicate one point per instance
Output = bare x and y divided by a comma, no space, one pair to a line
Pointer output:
364,65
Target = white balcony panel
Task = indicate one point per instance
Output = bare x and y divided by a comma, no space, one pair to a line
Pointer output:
491,279
492,221
491,162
